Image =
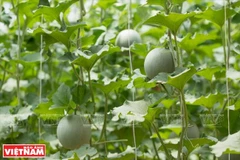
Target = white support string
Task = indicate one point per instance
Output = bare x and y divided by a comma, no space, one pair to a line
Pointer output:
131,71
226,42
40,79
227,50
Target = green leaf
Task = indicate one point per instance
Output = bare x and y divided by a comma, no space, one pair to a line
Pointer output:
88,61
131,111
44,3
189,43
236,18
233,74
230,145
173,21
55,36
190,144
151,115
236,4
139,81
30,57
26,8
105,4
139,49
156,2
208,72
167,103
128,154
181,79
216,16
111,86
82,152
53,13
237,105
62,97
43,109
81,94
208,101
163,2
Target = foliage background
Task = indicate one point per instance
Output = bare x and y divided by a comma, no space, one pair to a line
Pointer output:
55,60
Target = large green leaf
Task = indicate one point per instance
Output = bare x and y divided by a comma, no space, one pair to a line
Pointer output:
181,79
43,109
128,154
139,81
230,145
55,36
173,21
111,85
216,16
105,4
131,111
62,97
52,13
189,43
190,144
82,152
208,101
208,72
151,115
156,2
81,94
88,61
27,8
233,74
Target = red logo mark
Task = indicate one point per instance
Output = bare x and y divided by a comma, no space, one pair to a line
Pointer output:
24,150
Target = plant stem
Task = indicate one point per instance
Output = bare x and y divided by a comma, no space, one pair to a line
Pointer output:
91,89
105,122
154,145
161,140
179,56
103,133
79,42
113,141
75,71
184,114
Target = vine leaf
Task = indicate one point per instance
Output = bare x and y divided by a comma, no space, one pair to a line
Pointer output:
163,2
43,3
33,11
189,43
111,86
233,74
88,61
173,21
43,109
82,152
207,101
55,36
127,154
181,79
131,111
139,81
209,72
216,16
230,145
105,4
80,94
62,97
191,144
151,115
52,13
